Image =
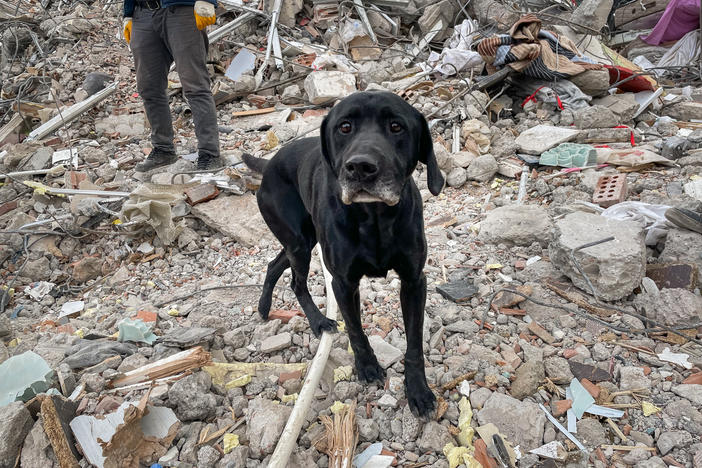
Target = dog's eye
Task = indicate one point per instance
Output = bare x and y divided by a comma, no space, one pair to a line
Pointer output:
395,127
345,127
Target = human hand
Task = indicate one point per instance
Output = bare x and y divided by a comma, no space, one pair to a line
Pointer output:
204,14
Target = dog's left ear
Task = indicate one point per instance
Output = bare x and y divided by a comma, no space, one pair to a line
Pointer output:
435,180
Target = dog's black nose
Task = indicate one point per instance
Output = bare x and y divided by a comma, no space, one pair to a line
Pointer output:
361,167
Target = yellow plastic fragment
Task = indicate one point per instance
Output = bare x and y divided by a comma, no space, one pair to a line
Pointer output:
493,266
341,325
289,398
150,284
14,343
230,442
460,456
223,373
272,140
343,373
649,408
117,222
465,414
79,333
338,406
238,382
173,312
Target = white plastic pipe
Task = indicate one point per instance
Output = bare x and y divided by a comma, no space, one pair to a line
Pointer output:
288,439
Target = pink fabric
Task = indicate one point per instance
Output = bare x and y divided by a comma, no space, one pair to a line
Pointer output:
680,17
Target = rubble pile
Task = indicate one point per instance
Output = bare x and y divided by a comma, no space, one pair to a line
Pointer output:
563,313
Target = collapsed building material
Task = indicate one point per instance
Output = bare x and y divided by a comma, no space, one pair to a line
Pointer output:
69,115
175,364
134,434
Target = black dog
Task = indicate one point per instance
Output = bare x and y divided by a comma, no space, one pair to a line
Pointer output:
352,191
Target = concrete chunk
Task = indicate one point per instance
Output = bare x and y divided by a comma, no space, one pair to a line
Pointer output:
326,86
538,139
615,267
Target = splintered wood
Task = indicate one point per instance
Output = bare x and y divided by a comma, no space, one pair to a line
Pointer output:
172,365
341,436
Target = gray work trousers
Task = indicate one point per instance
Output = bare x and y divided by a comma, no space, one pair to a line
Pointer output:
160,37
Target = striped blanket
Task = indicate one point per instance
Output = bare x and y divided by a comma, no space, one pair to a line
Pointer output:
534,52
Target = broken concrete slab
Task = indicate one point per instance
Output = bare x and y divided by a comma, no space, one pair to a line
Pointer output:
516,225
615,268
15,424
538,139
673,307
265,421
684,246
237,217
323,87
522,422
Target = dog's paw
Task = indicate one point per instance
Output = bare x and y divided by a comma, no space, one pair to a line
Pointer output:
370,371
421,399
322,325
264,307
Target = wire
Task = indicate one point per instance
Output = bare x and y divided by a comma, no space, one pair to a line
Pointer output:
587,316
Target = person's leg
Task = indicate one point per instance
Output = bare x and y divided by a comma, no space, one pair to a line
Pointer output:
188,45
152,60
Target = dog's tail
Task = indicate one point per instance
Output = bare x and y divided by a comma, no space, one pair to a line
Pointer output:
255,164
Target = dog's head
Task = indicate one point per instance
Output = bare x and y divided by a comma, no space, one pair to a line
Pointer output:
373,141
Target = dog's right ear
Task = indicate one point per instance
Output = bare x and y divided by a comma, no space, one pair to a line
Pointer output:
435,181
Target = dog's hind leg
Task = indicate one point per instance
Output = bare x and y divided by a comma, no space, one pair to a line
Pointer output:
275,269
367,366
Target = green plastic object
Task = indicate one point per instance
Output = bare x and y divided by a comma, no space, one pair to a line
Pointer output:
582,399
23,377
569,155
135,330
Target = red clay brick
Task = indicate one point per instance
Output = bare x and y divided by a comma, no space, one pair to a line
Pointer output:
201,193
285,376
561,406
284,315
610,190
592,389
146,316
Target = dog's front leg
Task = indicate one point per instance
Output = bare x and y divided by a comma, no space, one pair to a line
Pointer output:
413,295
347,296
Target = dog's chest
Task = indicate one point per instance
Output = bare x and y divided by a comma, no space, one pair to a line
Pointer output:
376,248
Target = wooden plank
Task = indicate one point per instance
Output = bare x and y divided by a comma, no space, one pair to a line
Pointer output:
180,362
637,10
10,127
265,110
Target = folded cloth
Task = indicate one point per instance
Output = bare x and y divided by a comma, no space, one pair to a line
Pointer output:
534,52
679,18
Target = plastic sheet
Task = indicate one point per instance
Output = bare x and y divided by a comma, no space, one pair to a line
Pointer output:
652,217
679,18
457,55
685,51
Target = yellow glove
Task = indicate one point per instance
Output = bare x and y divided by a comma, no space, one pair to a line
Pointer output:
204,14
127,29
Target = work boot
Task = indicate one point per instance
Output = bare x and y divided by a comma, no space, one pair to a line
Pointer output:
685,219
208,162
157,158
